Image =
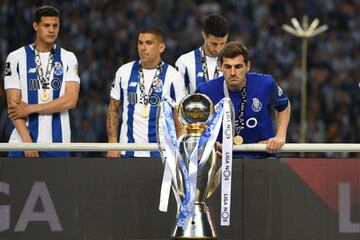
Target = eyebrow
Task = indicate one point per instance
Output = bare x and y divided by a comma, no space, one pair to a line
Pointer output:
146,41
236,65
48,24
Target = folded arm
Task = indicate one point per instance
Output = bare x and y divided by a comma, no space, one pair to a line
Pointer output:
13,97
65,102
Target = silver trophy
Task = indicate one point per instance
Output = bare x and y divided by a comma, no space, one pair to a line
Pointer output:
195,111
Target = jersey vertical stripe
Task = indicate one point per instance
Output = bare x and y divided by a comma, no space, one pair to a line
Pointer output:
152,134
56,122
199,75
132,88
32,93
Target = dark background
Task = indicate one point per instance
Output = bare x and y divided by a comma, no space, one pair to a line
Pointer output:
272,199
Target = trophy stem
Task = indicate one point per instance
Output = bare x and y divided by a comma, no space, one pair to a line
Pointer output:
200,226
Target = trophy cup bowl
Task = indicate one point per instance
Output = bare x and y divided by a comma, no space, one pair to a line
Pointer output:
195,111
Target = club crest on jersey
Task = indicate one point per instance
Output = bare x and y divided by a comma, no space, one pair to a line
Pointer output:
256,105
159,86
58,69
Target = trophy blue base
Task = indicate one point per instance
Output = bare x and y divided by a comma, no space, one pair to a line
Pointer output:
200,226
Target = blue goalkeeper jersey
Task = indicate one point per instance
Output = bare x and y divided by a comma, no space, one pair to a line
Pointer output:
263,94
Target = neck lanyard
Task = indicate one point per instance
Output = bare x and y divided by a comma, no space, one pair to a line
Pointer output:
205,68
146,97
44,80
240,122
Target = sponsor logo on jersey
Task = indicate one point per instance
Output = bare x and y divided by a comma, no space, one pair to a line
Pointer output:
35,84
32,70
133,84
200,74
251,122
7,69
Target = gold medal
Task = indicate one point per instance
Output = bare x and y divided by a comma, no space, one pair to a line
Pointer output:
238,140
44,96
145,112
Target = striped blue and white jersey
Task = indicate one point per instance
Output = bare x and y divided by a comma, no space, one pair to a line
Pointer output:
190,68
136,128
21,74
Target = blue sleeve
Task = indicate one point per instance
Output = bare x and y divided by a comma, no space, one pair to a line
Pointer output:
278,98
198,89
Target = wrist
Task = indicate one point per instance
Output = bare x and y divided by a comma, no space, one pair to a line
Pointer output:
113,140
27,139
29,109
281,134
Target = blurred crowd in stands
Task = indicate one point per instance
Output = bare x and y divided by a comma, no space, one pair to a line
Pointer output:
103,36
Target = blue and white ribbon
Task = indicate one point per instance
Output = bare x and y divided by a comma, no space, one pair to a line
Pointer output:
209,136
169,155
171,152
206,141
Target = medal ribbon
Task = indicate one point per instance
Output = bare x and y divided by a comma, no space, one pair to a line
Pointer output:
205,68
145,98
239,123
44,80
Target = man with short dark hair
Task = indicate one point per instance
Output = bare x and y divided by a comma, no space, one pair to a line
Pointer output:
42,83
202,64
137,91
253,95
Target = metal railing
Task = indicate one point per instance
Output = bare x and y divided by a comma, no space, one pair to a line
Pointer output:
102,147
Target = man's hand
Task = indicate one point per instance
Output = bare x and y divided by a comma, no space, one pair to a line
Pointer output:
31,154
274,144
113,154
18,110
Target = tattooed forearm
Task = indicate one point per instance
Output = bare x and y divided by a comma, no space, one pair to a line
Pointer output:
112,120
